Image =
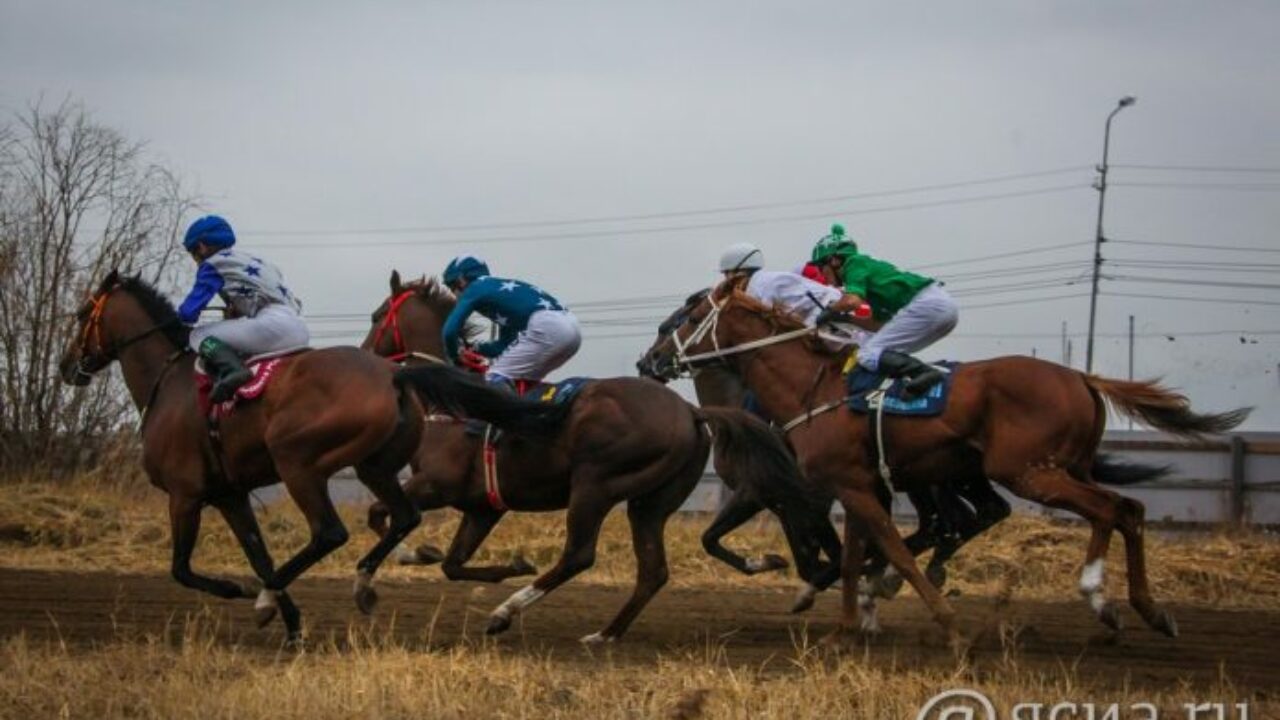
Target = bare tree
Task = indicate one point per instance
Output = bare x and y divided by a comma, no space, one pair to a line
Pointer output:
76,199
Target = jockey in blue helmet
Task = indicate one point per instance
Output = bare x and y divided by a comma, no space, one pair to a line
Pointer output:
263,315
536,334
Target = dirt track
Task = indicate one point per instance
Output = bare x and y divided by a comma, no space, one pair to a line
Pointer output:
750,626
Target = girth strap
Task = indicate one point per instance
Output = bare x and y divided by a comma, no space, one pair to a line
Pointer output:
490,460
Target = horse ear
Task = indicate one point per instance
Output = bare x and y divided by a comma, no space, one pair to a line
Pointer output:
396,286
110,281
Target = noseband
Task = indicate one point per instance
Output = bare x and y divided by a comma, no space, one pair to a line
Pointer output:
399,353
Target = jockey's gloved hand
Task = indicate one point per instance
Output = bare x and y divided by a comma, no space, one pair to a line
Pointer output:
828,316
473,361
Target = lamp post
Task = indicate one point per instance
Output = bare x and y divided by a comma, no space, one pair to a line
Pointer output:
1101,186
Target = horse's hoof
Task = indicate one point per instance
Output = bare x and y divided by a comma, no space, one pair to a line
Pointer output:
887,586
295,642
1110,617
262,616
429,554
775,562
804,599
937,574
1165,623
596,638
366,599
520,566
497,624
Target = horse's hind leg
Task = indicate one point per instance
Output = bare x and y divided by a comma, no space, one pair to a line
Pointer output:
1130,524
310,493
648,518
1055,487
742,506
404,518
239,516
475,527
587,509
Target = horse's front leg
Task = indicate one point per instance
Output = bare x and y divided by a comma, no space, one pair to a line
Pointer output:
475,527
239,516
742,506
184,522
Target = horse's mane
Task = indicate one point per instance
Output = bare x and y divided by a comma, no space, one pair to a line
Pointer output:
781,319
442,301
158,307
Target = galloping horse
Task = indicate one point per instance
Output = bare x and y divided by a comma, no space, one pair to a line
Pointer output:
946,522
619,439
1035,425
447,470
324,410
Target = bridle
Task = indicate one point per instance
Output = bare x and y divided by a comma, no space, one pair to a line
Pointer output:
89,364
391,321
686,362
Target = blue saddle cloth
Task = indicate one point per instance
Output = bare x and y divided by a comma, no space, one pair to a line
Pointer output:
861,382
557,393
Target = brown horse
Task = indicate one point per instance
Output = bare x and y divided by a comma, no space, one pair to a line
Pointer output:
447,471
619,439
1035,425
324,410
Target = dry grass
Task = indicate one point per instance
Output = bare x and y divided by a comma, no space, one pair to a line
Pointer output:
91,525
197,677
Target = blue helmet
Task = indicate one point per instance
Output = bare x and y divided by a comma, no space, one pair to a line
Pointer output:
464,267
211,230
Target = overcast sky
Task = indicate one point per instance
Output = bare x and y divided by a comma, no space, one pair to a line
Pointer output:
335,136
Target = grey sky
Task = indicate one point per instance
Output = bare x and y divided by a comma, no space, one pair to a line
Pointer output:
348,116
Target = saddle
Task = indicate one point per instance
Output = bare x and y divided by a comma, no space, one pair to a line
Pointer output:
863,386
264,368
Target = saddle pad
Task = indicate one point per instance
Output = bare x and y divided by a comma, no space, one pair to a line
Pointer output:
862,382
263,371
556,393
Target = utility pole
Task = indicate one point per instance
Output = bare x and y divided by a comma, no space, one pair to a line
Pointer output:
1101,186
1130,360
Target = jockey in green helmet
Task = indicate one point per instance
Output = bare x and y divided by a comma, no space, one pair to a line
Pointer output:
915,310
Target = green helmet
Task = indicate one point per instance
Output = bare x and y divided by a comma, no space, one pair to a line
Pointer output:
837,243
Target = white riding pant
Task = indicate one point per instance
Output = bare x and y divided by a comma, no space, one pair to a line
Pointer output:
276,328
930,315
549,340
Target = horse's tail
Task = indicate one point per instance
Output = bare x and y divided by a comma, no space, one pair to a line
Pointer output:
1163,409
462,393
1110,471
751,450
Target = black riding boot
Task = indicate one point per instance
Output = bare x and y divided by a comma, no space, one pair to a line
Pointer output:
226,368
919,376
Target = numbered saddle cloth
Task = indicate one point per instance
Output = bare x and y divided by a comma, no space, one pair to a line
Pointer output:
861,383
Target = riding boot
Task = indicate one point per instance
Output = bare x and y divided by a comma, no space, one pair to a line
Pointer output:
918,376
226,368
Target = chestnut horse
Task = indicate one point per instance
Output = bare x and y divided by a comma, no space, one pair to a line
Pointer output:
323,411
1036,426
407,328
619,439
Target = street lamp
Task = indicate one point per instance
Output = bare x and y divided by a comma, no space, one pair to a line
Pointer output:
1101,186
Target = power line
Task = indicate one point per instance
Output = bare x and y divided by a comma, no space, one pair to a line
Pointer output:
1219,301
1196,246
672,213
1241,187
1000,256
1019,270
1201,168
1016,287
1204,283
1023,301
614,234
1175,265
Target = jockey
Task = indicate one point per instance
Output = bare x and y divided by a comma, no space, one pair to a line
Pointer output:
262,313
794,292
536,334
915,311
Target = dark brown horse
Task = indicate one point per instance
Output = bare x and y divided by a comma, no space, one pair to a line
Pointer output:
1035,426
325,410
407,328
619,439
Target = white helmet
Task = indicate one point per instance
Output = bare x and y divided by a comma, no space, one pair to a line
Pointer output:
741,256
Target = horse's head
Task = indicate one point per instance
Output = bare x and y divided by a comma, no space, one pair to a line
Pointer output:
657,363
709,323
121,312
410,320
